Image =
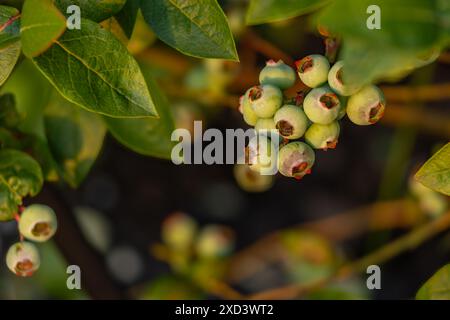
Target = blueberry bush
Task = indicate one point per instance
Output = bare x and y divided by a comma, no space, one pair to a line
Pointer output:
135,70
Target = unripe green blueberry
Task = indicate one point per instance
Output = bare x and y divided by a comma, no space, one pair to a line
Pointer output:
265,124
296,160
313,70
260,155
291,121
215,242
323,136
245,108
23,259
251,181
178,231
38,223
367,106
277,74
322,105
336,81
265,100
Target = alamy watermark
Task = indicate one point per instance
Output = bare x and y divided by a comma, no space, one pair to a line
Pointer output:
373,22
236,146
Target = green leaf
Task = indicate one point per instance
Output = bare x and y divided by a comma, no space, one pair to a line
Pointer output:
409,29
75,137
264,11
195,27
8,59
42,25
92,69
148,136
435,173
97,10
127,16
437,287
20,176
9,25
31,94
9,41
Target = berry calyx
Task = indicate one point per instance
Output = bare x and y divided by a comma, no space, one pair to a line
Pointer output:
23,259
265,100
296,160
277,74
322,105
291,121
313,70
38,223
367,106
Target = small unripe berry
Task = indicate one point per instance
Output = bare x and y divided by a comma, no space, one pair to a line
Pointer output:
251,181
313,70
265,100
178,231
367,106
322,105
23,259
323,136
265,124
259,155
277,74
38,223
291,121
336,81
296,160
245,108
215,242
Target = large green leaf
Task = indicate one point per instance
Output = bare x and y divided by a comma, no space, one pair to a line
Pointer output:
435,173
437,287
20,176
97,10
264,11
194,27
42,25
75,137
9,41
31,94
409,29
147,136
92,69
127,16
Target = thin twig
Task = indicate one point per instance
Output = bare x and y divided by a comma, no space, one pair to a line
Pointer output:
380,216
266,48
215,287
95,279
407,242
415,94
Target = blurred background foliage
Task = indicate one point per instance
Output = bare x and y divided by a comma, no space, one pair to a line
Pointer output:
193,232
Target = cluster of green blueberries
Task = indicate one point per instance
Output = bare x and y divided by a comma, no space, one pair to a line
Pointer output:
36,223
314,118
